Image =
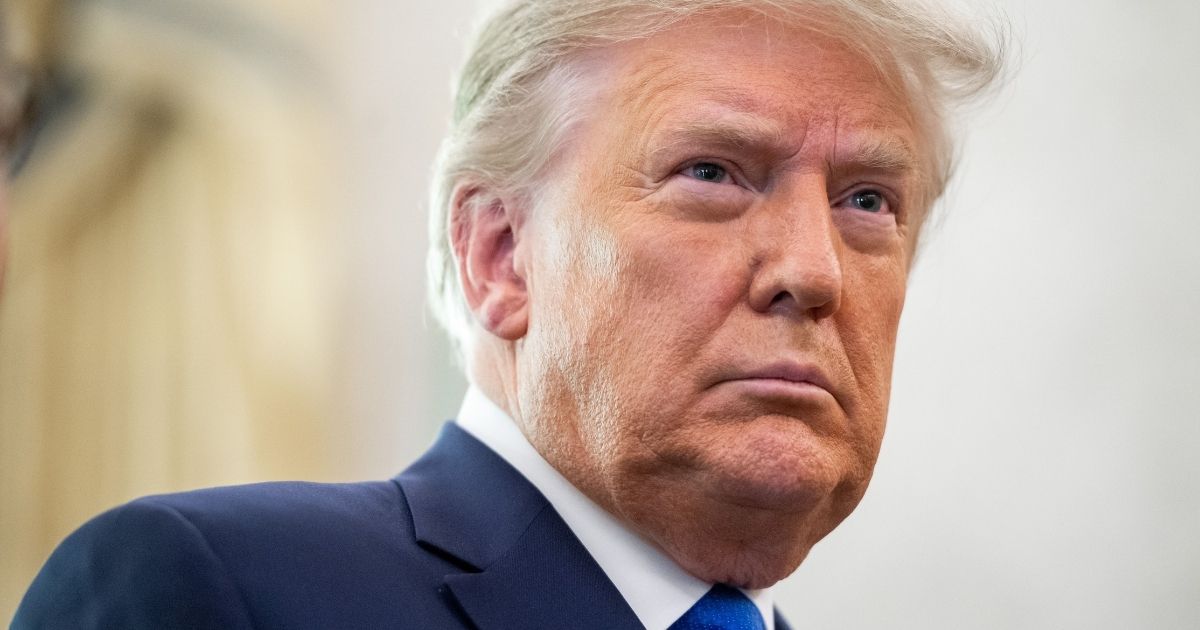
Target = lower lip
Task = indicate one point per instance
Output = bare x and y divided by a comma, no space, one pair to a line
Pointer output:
780,388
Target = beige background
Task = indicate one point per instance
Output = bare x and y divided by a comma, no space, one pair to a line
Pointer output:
1039,469
169,315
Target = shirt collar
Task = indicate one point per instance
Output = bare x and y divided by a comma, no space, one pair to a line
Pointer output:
657,589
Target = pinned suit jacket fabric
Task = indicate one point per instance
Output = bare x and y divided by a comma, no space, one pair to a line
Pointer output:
459,540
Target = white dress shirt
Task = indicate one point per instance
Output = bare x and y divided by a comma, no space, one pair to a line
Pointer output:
657,589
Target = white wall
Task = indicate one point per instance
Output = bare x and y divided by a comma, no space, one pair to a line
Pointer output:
1040,468
399,380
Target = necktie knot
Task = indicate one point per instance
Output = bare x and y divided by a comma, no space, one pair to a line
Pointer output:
722,608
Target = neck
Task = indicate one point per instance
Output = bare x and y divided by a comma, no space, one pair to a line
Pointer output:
492,369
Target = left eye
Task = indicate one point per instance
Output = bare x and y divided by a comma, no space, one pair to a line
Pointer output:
868,201
707,172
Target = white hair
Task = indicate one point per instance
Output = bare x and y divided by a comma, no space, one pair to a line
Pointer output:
514,100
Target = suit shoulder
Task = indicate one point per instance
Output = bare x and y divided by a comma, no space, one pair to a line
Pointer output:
217,557
140,565
281,504
264,533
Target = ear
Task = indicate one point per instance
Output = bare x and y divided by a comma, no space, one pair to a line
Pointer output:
485,233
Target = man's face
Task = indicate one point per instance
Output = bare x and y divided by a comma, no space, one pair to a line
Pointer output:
716,277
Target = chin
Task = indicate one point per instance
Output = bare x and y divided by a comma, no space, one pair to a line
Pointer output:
753,564
762,490
750,547
777,465
748,513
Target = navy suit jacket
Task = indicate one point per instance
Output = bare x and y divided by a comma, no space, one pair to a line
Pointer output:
459,540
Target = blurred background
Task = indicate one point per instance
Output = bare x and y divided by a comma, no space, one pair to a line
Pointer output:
217,227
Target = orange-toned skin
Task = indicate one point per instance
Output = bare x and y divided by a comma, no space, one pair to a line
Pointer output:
625,317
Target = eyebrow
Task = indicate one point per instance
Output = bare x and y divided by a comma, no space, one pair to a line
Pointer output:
723,128
875,152
736,122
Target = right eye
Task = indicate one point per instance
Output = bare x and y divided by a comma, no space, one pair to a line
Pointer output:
708,172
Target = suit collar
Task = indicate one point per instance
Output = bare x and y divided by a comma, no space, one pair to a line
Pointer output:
525,567
547,581
466,501
653,585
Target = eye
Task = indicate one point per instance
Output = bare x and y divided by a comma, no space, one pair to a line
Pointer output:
708,172
868,200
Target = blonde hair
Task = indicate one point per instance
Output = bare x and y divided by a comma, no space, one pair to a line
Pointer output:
513,101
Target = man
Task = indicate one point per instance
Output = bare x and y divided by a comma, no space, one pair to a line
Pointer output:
671,239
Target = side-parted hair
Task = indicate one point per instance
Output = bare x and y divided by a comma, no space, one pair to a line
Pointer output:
517,94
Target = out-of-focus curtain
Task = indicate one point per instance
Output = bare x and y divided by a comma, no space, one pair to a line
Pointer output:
168,316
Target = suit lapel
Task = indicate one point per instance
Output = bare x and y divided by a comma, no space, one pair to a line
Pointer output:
546,581
524,567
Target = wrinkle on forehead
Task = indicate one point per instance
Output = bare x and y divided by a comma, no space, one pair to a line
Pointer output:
817,97
642,71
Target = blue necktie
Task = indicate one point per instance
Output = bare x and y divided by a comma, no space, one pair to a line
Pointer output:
723,608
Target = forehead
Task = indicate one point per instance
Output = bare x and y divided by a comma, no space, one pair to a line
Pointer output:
760,75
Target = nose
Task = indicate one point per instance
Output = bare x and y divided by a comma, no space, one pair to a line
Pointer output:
798,265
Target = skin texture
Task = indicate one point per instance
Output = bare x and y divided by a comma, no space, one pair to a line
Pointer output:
736,201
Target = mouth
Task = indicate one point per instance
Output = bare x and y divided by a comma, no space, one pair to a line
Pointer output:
787,380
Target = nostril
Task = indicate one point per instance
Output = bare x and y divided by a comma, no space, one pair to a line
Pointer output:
781,298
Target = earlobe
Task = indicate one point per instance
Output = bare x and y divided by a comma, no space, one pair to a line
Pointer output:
485,233
504,314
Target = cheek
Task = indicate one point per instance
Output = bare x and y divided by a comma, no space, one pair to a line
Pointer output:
674,290
868,322
683,279
633,306
572,286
